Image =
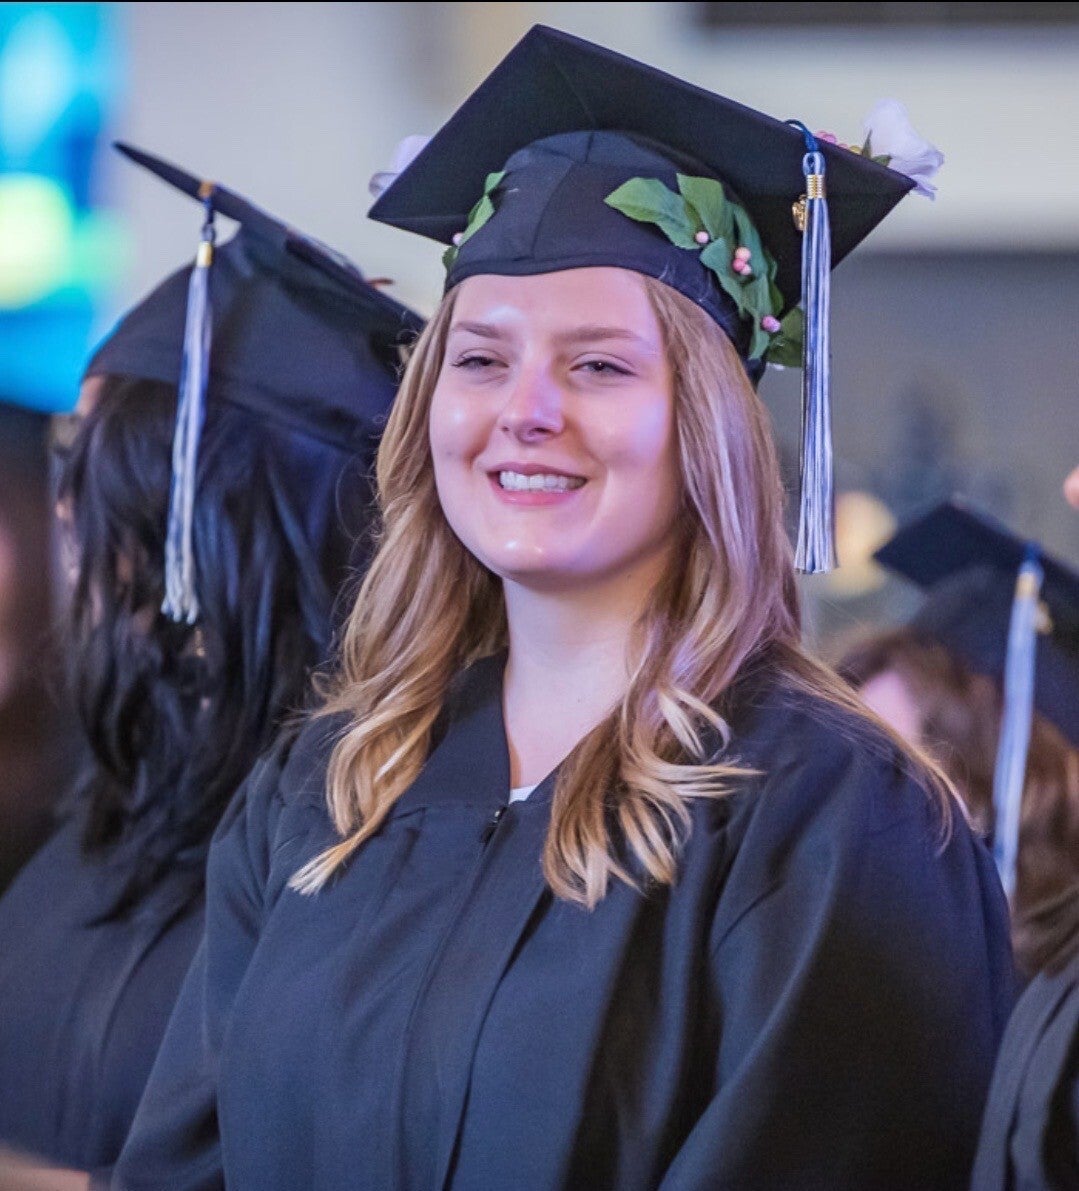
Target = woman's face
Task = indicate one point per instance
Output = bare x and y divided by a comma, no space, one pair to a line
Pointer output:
552,427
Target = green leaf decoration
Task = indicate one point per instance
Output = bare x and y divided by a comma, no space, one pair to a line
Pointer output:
708,201
717,257
477,217
747,236
702,205
647,200
785,347
759,342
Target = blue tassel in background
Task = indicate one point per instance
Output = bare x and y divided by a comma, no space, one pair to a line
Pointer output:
1011,765
181,600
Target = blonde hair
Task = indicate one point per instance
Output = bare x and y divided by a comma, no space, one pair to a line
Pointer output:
428,608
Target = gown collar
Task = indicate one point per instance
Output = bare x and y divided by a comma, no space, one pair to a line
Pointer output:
470,762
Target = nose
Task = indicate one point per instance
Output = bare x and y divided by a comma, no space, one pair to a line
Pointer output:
533,410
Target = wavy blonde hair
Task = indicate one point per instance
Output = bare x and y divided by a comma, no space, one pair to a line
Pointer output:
428,608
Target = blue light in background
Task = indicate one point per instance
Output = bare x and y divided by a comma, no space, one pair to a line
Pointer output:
61,248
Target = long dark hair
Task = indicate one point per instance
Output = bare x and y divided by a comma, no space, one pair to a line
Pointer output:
176,715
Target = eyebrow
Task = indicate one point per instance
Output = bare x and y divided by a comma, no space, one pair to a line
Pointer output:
586,334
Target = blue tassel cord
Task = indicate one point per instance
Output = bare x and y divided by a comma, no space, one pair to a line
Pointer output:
816,515
1010,772
181,599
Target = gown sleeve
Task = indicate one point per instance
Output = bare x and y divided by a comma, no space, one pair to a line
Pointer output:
173,1140
862,976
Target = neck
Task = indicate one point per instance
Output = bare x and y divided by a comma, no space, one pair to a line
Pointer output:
570,656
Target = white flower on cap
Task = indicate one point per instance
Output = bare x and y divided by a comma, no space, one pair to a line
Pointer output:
403,156
889,133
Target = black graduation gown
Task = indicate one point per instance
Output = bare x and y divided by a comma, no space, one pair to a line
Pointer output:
83,1003
1030,1134
815,1004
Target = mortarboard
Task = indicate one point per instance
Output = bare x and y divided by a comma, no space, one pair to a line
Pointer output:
569,155
1011,611
280,325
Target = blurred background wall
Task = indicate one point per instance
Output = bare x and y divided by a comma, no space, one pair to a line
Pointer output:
955,326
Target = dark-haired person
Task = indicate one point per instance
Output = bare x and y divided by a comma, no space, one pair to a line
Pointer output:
98,930
589,876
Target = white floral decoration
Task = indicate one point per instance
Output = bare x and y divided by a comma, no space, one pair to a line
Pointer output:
889,133
403,156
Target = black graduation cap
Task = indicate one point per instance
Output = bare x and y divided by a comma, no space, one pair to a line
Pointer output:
1011,611
274,322
298,335
570,155
967,562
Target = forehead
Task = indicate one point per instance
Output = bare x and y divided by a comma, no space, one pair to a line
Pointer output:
560,303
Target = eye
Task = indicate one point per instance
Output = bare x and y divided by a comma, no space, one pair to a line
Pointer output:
475,362
603,368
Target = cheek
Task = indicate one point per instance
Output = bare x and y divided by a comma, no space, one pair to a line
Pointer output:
643,446
458,427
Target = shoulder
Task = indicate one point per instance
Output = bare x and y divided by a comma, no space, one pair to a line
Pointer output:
833,809
813,760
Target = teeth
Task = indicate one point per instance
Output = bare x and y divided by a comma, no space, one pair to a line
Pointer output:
514,481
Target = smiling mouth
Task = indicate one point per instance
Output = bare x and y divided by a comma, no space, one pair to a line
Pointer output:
515,481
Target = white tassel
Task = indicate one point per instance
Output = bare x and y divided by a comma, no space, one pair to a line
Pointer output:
1011,765
816,514
181,599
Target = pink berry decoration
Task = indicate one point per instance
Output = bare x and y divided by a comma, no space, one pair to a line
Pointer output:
770,324
829,138
743,254
457,238
702,237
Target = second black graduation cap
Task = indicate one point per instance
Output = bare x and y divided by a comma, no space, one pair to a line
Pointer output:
968,562
298,335
273,322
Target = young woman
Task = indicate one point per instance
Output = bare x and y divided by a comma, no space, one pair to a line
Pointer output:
98,929
587,875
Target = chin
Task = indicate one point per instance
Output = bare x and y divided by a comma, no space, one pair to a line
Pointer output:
549,573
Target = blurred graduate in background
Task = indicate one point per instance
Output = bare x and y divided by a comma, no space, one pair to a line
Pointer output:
941,680
1030,1130
214,499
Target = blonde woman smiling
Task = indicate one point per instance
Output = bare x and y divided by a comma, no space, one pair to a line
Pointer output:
588,875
